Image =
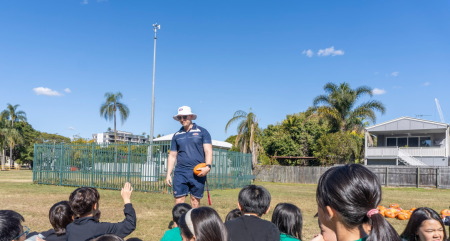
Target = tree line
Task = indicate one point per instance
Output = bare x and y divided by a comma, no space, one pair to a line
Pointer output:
331,131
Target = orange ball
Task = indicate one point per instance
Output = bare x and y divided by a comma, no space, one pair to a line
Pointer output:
445,212
200,165
403,216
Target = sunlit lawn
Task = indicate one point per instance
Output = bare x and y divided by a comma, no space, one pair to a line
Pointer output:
154,209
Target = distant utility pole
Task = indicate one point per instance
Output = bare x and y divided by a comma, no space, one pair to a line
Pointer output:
156,27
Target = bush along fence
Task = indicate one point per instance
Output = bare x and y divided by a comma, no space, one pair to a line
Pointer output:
394,176
110,166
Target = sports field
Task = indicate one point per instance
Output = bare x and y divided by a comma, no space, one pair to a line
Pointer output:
153,209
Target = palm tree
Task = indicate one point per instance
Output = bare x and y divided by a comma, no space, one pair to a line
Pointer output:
12,138
109,109
338,106
12,115
248,133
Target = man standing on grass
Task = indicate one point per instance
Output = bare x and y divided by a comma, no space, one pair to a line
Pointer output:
190,146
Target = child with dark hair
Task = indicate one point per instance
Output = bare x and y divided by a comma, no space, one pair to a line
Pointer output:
107,237
202,224
425,224
253,201
177,211
84,202
347,198
11,228
235,213
288,218
60,216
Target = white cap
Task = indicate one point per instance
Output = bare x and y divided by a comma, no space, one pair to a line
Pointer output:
185,110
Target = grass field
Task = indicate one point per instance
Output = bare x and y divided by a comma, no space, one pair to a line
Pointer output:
154,209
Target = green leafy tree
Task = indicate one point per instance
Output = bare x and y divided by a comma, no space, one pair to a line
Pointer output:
340,107
340,148
247,133
111,106
294,136
12,115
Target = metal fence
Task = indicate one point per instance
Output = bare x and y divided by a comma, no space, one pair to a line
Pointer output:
394,176
110,166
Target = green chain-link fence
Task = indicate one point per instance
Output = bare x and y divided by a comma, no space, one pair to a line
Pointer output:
109,166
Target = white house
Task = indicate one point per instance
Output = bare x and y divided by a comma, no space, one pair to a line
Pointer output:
122,136
407,141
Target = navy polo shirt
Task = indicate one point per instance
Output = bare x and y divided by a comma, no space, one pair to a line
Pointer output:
189,146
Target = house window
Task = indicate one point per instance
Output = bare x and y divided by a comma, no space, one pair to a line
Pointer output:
425,141
402,141
413,141
391,141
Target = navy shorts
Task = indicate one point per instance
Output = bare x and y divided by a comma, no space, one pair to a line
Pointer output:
185,183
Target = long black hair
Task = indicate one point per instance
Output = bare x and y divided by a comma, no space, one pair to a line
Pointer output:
353,190
204,223
418,216
288,218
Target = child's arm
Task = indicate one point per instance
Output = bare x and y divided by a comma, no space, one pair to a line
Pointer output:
126,192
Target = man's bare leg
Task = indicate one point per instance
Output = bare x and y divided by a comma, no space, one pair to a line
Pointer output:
195,202
180,199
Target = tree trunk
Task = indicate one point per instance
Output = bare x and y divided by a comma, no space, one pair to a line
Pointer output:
3,159
11,162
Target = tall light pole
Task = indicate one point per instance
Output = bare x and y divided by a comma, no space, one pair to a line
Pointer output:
156,27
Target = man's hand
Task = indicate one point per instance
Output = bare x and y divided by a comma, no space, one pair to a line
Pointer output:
169,180
126,192
203,171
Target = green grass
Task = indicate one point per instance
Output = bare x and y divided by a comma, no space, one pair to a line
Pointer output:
154,209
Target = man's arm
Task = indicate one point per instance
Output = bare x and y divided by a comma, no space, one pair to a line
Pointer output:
170,165
207,148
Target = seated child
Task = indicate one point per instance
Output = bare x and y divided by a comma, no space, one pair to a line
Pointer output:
108,237
202,224
235,213
253,201
84,202
288,218
60,216
174,233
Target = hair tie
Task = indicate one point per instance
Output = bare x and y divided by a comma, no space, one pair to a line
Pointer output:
189,222
372,212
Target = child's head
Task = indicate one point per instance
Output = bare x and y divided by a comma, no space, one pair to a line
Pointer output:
108,237
60,216
288,218
11,226
178,210
254,199
83,201
203,224
351,193
235,213
422,220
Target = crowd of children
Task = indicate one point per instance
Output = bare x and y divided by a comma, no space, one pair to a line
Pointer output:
347,198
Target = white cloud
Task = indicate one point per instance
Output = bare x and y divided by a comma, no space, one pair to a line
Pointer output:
426,83
67,90
395,74
71,128
330,51
84,2
308,52
377,91
46,91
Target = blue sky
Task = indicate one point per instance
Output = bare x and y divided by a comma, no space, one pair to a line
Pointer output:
59,57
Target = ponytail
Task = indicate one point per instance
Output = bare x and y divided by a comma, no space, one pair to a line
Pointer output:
381,230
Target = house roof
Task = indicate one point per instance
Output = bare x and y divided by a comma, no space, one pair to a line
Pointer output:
217,144
408,124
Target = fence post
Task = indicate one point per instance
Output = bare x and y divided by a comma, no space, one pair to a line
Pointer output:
387,176
129,161
60,164
418,176
437,177
92,165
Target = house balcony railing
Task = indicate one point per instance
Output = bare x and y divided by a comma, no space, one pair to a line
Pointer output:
412,151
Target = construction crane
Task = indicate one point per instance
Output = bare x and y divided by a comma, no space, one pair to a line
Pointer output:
438,106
